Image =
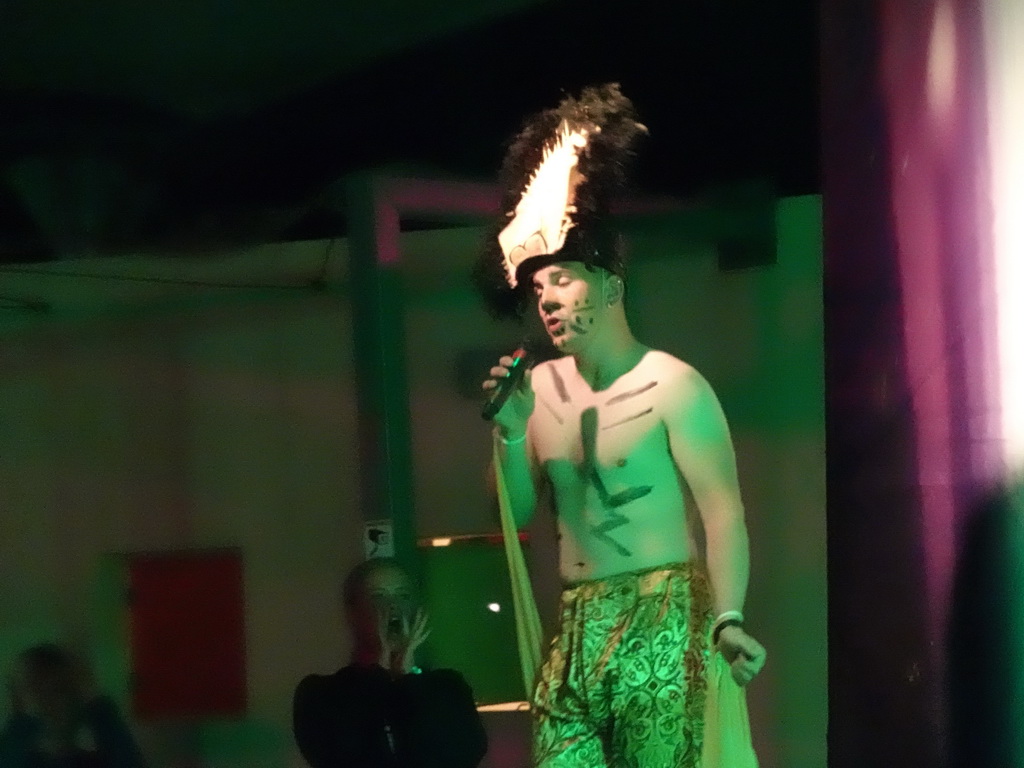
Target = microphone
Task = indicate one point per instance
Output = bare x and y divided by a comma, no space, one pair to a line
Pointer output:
520,362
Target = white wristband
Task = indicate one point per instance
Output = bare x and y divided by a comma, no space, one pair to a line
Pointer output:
737,615
727,618
515,441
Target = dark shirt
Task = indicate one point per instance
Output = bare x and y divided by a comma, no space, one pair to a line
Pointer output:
360,718
115,747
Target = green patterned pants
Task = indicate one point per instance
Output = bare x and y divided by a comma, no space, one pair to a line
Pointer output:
624,684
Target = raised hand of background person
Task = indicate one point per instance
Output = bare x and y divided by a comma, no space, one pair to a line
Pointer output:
400,638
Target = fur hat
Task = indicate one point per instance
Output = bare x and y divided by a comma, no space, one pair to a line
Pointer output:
559,178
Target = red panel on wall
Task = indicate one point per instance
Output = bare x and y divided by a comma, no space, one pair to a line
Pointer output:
187,619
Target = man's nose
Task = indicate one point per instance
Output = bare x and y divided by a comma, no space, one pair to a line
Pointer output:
549,303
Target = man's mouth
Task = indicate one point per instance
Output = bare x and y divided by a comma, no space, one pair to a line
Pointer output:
555,326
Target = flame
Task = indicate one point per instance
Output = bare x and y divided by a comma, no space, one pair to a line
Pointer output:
543,216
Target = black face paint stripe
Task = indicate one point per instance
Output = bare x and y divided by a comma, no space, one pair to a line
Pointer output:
632,393
589,472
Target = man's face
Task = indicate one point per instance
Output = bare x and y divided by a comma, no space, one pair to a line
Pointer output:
570,303
386,598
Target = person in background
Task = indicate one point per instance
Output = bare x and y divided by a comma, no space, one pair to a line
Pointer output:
59,720
382,710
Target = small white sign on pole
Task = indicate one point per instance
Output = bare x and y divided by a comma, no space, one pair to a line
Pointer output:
378,540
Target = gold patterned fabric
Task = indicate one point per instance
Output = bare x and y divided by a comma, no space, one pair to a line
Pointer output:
624,684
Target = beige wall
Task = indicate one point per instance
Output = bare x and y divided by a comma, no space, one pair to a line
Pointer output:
159,417
207,424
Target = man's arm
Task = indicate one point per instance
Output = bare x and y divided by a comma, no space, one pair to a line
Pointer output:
511,437
520,471
703,452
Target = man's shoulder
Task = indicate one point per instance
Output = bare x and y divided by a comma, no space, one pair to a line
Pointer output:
682,385
670,367
557,363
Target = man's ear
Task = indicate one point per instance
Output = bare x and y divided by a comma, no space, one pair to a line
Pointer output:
614,289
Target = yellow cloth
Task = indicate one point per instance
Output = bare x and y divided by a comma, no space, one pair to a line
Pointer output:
528,630
727,742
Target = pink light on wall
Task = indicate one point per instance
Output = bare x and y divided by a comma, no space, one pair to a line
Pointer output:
952,75
931,76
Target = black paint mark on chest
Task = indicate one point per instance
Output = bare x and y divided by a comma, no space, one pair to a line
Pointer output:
632,393
560,388
628,419
610,502
551,409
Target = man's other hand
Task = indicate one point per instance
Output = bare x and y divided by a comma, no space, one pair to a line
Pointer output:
746,656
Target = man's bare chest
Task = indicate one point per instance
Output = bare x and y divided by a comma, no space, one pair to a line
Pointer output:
580,430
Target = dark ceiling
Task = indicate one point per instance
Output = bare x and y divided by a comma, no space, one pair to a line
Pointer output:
235,138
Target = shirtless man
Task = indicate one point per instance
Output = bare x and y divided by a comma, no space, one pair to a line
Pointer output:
620,433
